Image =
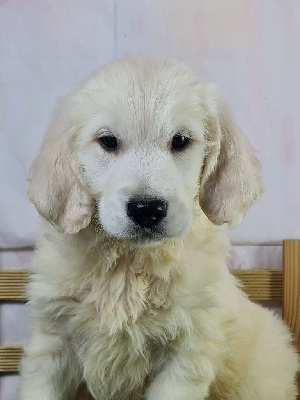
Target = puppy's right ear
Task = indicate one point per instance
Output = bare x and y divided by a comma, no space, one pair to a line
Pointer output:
56,187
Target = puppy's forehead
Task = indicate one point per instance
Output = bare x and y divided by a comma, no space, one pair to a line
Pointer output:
143,92
143,74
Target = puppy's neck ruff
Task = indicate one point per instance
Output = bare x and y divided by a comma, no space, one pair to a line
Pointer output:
157,258
120,280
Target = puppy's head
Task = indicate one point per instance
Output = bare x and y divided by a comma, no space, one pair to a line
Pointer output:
139,141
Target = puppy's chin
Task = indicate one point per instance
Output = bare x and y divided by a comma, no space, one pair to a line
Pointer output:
147,237
144,237
139,236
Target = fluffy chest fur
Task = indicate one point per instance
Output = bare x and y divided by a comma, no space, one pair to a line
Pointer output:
124,309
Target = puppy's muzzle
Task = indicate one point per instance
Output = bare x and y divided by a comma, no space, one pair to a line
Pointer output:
146,212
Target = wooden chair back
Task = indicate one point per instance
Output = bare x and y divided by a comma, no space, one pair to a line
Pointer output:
258,284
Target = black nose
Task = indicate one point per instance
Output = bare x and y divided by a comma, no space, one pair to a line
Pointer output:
146,212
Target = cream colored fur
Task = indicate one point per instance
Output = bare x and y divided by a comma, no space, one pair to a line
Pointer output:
137,318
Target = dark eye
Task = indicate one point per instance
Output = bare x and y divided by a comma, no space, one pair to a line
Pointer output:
108,143
179,142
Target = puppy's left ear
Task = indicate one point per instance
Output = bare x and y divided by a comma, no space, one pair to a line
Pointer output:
230,182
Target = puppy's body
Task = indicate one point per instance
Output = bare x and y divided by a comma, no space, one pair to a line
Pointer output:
164,320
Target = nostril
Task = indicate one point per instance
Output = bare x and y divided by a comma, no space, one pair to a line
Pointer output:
146,212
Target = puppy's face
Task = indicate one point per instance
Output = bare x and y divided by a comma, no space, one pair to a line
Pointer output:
142,149
141,139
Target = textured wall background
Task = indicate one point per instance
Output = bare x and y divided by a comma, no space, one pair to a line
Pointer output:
249,48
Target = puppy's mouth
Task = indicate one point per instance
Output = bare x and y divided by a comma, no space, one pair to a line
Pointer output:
146,236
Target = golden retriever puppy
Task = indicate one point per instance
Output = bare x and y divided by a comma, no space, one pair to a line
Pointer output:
131,294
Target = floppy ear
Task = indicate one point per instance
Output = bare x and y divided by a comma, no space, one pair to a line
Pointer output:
230,181
56,188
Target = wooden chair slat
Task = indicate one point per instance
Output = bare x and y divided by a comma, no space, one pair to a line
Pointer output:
258,284
10,358
13,285
261,284
291,290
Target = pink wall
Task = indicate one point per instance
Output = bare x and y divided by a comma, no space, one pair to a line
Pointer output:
250,49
